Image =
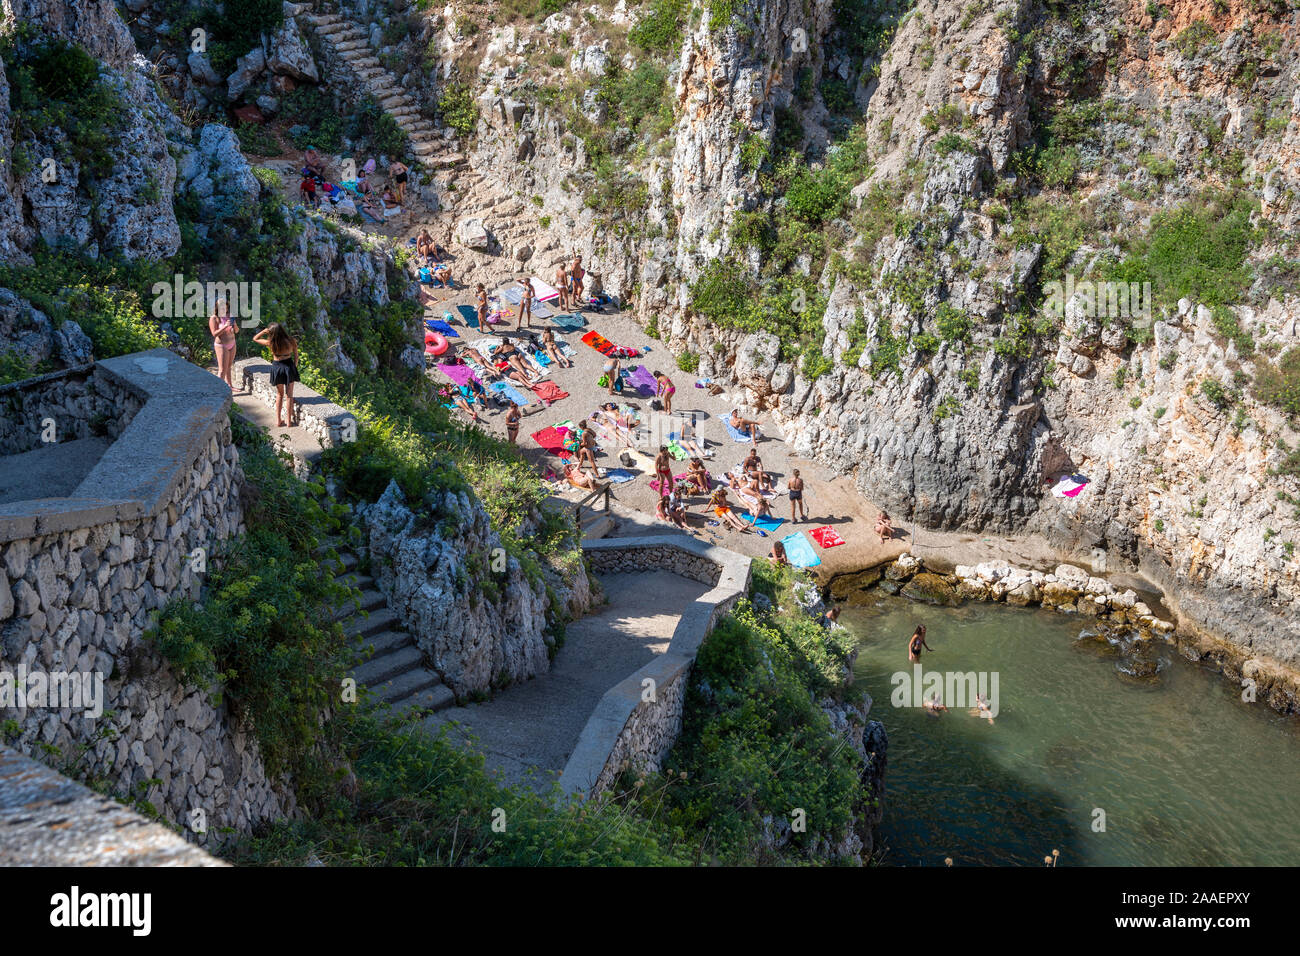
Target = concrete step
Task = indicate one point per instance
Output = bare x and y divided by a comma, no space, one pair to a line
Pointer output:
364,626
370,601
436,697
384,642
597,529
377,670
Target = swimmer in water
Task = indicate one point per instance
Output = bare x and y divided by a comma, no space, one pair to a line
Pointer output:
933,704
982,709
916,643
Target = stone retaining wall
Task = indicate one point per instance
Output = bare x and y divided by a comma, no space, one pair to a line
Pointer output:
625,730
81,402
80,577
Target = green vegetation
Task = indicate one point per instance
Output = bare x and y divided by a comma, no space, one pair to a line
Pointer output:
688,362
755,742
56,87
262,640
1197,251
313,108
661,25
1278,383
456,108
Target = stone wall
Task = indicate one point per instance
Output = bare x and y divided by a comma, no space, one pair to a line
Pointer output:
80,578
81,402
625,730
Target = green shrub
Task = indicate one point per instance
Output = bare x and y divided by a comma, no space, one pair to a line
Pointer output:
660,27
954,143
688,362
816,196
457,108
1279,383
312,107
1216,394
1197,251
257,140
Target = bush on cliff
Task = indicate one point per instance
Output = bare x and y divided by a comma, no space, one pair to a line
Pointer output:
755,745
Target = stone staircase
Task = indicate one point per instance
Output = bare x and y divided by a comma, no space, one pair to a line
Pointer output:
392,667
348,41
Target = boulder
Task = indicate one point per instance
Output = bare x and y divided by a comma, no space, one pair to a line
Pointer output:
1068,576
290,56
472,233
201,69
247,69
903,568
930,588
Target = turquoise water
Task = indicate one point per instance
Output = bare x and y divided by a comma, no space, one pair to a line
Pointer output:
1184,771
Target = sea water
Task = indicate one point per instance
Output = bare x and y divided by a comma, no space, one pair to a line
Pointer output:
1109,752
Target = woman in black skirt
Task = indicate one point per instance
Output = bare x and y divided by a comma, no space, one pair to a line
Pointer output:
284,368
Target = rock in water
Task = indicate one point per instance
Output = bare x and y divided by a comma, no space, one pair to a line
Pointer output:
931,588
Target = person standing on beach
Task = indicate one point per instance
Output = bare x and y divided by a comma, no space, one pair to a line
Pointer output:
795,485
525,304
562,283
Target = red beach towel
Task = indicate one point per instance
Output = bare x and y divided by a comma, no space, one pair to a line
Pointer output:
827,537
549,392
552,441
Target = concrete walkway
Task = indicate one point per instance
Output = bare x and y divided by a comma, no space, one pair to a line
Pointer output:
537,724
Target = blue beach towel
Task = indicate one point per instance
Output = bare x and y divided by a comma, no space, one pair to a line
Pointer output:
542,359
469,314
799,552
569,322
437,325
510,392
735,433
768,523
619,475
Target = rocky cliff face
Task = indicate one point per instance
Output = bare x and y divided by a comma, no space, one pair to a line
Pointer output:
1008,145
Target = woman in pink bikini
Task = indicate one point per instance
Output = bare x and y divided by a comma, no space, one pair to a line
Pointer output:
223,330
665,389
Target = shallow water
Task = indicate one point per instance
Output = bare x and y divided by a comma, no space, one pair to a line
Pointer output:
1185,772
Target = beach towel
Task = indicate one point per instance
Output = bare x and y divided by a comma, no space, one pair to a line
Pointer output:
549,392
438,325
564,347
469,314
597,342
735,433
460,374
552,441
799,552
515,296
569,322
543,291
1070,486
541,358
509,391
827,536
656,484
677,451
769,523
619,475
642,380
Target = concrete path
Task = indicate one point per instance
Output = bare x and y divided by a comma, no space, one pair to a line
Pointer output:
537,724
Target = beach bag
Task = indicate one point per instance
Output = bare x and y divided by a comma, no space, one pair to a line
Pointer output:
618,385
657,405
425,274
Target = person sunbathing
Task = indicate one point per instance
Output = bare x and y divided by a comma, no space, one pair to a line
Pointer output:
761,479
884,527
512,357
758,506
664,512
752,461
698,476
552,349
579,478
777,554
722,508
746,426
469,395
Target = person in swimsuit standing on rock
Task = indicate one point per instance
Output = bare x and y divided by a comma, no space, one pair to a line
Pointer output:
916,643
795,485
223,330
